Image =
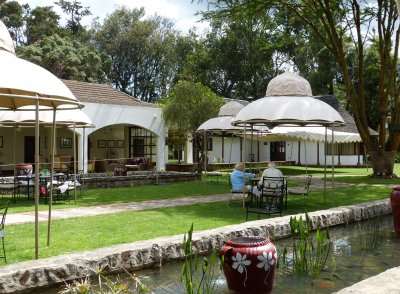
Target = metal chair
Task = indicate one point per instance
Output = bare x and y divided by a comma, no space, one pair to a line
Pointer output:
3,214
302,191
273,193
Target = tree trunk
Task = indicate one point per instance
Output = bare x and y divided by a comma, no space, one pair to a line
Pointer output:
383,163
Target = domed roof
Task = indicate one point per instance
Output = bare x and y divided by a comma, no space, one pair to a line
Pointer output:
230,109
288,84
6,42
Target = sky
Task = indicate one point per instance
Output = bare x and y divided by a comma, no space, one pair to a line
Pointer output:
181,12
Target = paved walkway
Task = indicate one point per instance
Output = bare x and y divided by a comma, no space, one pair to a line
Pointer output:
25,217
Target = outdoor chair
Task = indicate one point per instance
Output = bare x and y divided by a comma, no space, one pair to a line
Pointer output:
233,192
271,199
61,189
8,186
3,213
302,190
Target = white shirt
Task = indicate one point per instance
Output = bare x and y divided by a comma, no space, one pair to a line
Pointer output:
270,172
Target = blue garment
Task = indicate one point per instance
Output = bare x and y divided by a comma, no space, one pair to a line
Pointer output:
237,179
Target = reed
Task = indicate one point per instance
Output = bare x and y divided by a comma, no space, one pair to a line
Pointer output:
199,275
309,254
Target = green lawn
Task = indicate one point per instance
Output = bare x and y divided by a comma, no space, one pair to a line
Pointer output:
81,234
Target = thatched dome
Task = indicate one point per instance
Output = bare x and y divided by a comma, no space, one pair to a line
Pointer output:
230,109
289,84
6,42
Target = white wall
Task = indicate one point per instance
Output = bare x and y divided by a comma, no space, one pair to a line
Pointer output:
308,152
108,115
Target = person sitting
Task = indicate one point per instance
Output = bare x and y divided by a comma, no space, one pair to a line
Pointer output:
238,178
272,172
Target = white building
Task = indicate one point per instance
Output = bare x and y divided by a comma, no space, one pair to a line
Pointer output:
124,128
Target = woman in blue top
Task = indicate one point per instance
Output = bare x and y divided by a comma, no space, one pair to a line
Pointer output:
238,177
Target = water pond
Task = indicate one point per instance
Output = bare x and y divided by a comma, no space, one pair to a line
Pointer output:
358,251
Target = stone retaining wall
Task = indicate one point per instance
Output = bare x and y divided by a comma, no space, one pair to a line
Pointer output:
24,276
108,180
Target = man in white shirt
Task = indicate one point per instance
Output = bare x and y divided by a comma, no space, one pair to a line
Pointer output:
271,171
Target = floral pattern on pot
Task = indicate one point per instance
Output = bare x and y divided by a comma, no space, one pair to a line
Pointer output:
240,262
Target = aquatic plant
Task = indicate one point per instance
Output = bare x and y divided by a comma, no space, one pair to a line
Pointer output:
309,254
199,275
105,285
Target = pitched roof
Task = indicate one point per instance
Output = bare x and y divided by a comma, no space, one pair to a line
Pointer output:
102,94
348,119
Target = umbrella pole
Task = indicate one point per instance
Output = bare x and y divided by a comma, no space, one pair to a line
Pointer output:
74,142
52,146
244,147
83,158
37,178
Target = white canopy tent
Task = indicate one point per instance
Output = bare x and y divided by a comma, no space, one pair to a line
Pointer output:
313,134
23,83
288,101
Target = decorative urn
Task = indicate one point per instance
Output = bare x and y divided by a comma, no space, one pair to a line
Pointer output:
249,264
395,204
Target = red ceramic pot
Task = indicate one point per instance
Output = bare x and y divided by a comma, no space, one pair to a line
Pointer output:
250,264
395,203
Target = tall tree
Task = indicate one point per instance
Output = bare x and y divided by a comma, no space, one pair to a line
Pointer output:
75,12
187,107
41,22
233,59
12,14
140,51
65,58
334,22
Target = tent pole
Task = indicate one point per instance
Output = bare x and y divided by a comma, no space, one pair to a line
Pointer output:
244,147
15,139
305,155
52,146
230,151
333,170
75,157
83,158
37,178
251,149
205,152
326,150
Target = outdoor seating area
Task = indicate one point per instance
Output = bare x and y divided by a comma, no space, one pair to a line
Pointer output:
22,186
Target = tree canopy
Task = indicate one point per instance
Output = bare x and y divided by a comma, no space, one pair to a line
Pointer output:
338,25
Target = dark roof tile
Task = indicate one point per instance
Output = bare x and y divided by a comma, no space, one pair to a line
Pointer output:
102,94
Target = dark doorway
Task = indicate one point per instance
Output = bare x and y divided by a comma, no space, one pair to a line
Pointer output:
278,150
29,149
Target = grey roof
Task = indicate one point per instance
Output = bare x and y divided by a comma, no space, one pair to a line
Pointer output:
348,119
102,94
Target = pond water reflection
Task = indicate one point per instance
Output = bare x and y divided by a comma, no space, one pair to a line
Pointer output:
359,251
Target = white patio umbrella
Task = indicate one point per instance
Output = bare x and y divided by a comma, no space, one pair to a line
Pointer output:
288,101
23,83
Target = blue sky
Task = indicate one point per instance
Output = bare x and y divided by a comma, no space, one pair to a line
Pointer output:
182,12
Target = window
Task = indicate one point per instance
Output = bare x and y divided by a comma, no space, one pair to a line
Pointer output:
209,144
342,149
142,143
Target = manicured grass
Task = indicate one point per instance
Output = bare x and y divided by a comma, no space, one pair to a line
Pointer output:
82,234
128,194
